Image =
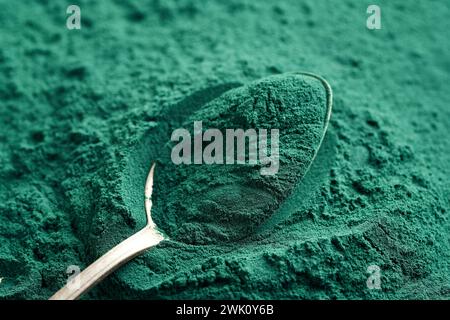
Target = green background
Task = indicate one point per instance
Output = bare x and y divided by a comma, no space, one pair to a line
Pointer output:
72,102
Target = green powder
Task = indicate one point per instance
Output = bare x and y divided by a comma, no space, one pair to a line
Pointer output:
83,113
202,204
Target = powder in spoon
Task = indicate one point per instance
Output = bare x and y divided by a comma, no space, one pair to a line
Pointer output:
203,204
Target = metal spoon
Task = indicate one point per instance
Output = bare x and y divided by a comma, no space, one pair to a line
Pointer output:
149,236
146,238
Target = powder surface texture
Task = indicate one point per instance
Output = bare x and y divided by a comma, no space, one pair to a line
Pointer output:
83,113
202,204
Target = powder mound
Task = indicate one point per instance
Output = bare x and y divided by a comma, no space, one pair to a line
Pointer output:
216,203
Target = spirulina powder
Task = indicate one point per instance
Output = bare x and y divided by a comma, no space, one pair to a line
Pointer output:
83,114
201,204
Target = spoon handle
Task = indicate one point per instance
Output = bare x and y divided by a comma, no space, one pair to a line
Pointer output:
110,261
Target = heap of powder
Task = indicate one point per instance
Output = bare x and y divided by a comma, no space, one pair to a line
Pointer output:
202,204
71,182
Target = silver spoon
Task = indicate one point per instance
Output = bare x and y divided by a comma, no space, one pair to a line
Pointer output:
146,238
149,236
